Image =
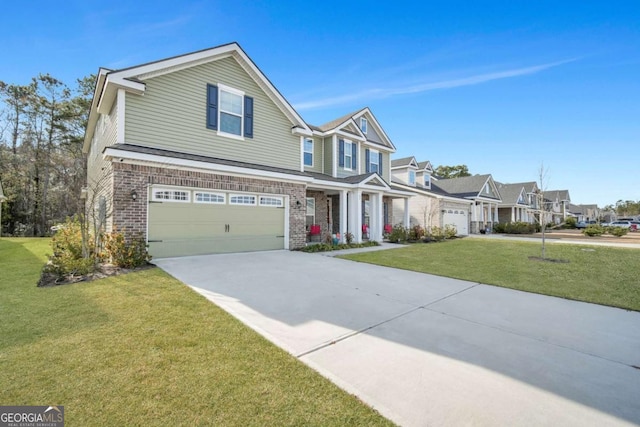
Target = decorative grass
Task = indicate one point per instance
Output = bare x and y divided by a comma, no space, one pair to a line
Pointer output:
601,275
144,349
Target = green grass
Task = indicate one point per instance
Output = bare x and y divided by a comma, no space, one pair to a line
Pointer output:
601,275
143,349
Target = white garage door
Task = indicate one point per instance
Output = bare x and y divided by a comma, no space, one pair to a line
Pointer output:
194,222
459,219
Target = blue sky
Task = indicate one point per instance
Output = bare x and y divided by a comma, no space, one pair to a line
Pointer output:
500,86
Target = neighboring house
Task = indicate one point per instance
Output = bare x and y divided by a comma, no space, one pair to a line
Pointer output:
429,206
518,202
585,212
481,190
556,205
2,199
200,153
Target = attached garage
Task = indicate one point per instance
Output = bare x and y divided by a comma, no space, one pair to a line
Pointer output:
186,222
459,218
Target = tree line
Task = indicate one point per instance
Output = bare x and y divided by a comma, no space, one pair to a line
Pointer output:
42,168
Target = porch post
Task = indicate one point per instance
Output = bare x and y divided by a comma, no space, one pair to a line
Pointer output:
482,218
407,218
495,214
343,215
513,214
357,210
378,214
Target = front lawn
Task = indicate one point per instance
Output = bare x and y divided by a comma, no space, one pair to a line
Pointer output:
602,275
143,349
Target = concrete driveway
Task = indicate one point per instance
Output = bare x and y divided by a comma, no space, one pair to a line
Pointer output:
427,350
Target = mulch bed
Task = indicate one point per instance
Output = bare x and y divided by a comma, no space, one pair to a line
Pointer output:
104,270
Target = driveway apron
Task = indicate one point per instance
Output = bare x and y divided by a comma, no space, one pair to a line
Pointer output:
428,350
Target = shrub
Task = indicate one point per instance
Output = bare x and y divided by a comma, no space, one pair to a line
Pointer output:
618,231
416,233
436,233
570,223
68,258
348,237
398,234
450,231
126,254
593,230
514,228
323,247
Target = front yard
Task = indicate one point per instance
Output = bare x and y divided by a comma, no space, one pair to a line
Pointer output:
601,275
143,349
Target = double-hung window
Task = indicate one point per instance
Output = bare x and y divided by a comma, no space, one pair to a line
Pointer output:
373,161
348,154
412,177
308,152
229,111
427,180
363,125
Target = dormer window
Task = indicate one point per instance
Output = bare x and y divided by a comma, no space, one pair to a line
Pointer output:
363,125
427,180
412,177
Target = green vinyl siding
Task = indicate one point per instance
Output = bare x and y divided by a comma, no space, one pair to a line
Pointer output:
171,115
328,155
317,156
385,161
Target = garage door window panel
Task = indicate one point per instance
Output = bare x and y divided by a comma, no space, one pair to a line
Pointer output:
274,202
214,198
241,199
168,195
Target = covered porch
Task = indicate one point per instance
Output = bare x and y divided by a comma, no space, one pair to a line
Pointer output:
484,215
351,212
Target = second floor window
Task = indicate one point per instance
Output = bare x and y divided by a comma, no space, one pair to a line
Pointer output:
374,161
229,111
308,152
427,181
412,177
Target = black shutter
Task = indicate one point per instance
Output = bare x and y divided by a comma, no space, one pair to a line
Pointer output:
367,159
248,117
341,154
354,154
212,107
380,164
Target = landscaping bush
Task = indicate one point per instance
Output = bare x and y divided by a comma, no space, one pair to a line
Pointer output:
323,247
593,230
570,223
450,231
436,234
514,228
618,231
68,259
416,233
126,254
398,234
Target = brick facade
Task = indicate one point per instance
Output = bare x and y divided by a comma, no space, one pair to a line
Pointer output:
322,213
131,215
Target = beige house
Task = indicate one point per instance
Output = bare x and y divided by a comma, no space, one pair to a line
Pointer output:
200,153
429,206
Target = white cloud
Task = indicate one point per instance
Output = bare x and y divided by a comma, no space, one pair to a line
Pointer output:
378,93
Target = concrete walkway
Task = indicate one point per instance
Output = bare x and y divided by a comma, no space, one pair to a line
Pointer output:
427,350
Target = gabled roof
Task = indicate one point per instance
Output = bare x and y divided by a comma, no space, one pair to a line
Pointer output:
131,79
560,195
404,162
467,187
349,121
426,166
512,193
431,192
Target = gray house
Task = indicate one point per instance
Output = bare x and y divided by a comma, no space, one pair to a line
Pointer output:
200,153
518,202
481,190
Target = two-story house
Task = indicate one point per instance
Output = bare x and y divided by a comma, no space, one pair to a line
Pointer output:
556,205
482,191
430,206
518,202
200,153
